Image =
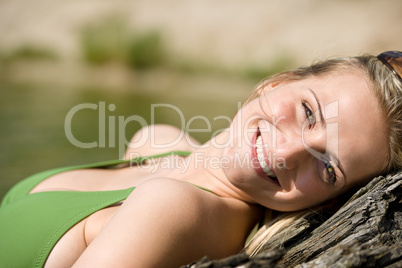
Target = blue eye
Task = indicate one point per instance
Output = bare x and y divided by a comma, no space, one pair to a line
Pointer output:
309,115
331,173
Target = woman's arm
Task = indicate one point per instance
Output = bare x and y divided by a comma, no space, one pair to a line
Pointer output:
166,223
156,139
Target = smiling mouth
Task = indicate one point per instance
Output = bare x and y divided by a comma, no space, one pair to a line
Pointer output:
261,159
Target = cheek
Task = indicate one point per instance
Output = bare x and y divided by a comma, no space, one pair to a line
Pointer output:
311,191
279,110
246,114
245,123
309,188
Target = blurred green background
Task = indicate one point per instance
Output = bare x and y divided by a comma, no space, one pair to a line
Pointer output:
203,57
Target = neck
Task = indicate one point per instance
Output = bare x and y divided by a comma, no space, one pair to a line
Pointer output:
205,167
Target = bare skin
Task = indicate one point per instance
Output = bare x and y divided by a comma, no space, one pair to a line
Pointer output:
166,222
234,217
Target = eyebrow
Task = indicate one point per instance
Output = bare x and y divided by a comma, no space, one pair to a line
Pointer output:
322,119
331,155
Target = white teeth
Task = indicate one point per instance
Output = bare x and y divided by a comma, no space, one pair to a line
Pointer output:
260,156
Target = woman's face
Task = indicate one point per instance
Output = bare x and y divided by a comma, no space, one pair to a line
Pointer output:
305,142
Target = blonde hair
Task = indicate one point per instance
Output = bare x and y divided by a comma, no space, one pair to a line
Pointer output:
271,226
388,89
385,85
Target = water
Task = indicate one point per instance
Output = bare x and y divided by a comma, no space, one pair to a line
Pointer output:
33,124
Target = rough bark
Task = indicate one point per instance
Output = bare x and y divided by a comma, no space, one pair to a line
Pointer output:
364,232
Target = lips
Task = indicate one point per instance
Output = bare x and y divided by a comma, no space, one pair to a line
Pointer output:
260,161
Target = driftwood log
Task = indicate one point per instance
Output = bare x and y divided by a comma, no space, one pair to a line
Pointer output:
364,232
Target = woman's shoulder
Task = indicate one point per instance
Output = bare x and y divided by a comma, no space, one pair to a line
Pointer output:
166,222
186,204
222,224
199,201
166,191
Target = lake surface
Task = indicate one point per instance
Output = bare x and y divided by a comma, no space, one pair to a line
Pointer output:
44,127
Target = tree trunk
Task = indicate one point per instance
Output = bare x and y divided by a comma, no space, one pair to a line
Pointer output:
365,232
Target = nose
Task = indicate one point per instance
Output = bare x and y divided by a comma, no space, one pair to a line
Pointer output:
294,151
291,154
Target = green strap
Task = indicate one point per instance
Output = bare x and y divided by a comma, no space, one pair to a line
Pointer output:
202,188
26,185
141,159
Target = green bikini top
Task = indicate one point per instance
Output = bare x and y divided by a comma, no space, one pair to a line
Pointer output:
31,224
26,185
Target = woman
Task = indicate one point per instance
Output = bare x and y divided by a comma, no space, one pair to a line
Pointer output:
303,138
